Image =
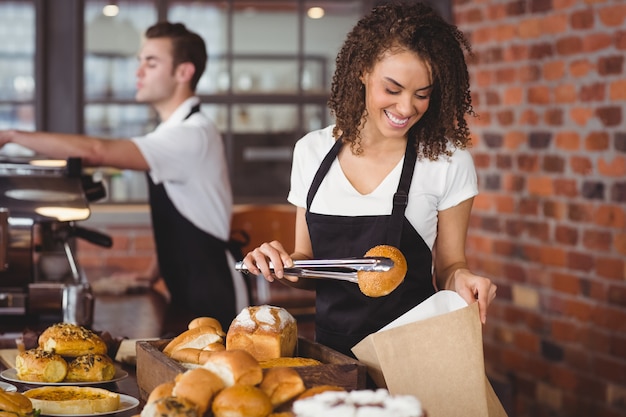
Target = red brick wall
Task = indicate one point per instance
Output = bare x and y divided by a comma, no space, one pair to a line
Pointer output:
132,251
549,226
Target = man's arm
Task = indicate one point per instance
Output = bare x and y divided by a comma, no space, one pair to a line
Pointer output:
117,153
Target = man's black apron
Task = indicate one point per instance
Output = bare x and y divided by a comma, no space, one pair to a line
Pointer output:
192,262
344,315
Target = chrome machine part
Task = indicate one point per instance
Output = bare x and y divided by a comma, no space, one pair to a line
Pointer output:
39,272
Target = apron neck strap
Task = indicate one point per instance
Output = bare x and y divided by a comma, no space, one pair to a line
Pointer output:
401,197
322,171
194,109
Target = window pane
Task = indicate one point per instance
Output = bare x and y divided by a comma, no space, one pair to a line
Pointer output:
209,20
265,29
111,47
265,118
324,36
262,157
119,120
17,51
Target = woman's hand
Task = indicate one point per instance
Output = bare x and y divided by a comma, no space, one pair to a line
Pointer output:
473,287
257,261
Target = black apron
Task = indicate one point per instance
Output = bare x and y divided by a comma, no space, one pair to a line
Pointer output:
192,262
344,315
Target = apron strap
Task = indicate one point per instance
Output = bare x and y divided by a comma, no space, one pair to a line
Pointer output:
322,171
401,197
194,109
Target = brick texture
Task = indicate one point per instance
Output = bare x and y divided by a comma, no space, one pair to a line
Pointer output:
132,251
549,225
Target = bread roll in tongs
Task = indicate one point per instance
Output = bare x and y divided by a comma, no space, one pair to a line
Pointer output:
378,273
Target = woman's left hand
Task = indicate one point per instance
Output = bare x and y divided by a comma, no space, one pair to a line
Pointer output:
472,288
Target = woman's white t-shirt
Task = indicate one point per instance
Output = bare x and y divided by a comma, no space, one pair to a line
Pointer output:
436,185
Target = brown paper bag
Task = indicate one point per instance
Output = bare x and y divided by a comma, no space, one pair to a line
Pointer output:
438,359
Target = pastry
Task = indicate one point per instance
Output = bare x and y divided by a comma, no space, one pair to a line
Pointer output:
235,367
358,402
73,400
282,385
289,362
265,331
199,386
170,407
15,404
37,365
241,401
196,338
71,340
90,368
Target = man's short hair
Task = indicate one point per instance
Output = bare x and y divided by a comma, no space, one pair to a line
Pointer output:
187,46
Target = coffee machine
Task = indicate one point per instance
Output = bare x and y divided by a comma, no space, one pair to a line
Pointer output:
40,202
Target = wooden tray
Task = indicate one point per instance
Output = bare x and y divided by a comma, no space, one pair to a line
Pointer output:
154,367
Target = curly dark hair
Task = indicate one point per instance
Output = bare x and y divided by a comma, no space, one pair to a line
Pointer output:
187,46
418,28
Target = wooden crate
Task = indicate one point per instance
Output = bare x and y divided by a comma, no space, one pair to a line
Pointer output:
154,367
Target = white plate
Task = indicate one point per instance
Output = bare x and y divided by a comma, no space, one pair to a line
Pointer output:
126,403
7,387
11,375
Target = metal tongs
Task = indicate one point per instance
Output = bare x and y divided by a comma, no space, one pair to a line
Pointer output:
341,269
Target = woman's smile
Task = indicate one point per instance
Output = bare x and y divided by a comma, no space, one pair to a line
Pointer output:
395,120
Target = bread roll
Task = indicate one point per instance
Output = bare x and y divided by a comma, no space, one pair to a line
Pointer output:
266,332
73,400
381,283
282,385
90,368
196,338
15,404
71,340
161,391
206,321
170,407
235,367
37,365
198,386
241,401
196,356
191,356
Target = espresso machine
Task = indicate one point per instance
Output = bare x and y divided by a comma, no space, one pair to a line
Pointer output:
40,202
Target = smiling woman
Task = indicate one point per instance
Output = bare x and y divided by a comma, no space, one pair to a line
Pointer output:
393,170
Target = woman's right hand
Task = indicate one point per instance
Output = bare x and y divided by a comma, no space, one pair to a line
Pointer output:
257,261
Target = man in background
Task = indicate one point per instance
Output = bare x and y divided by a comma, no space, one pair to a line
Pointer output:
189,188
